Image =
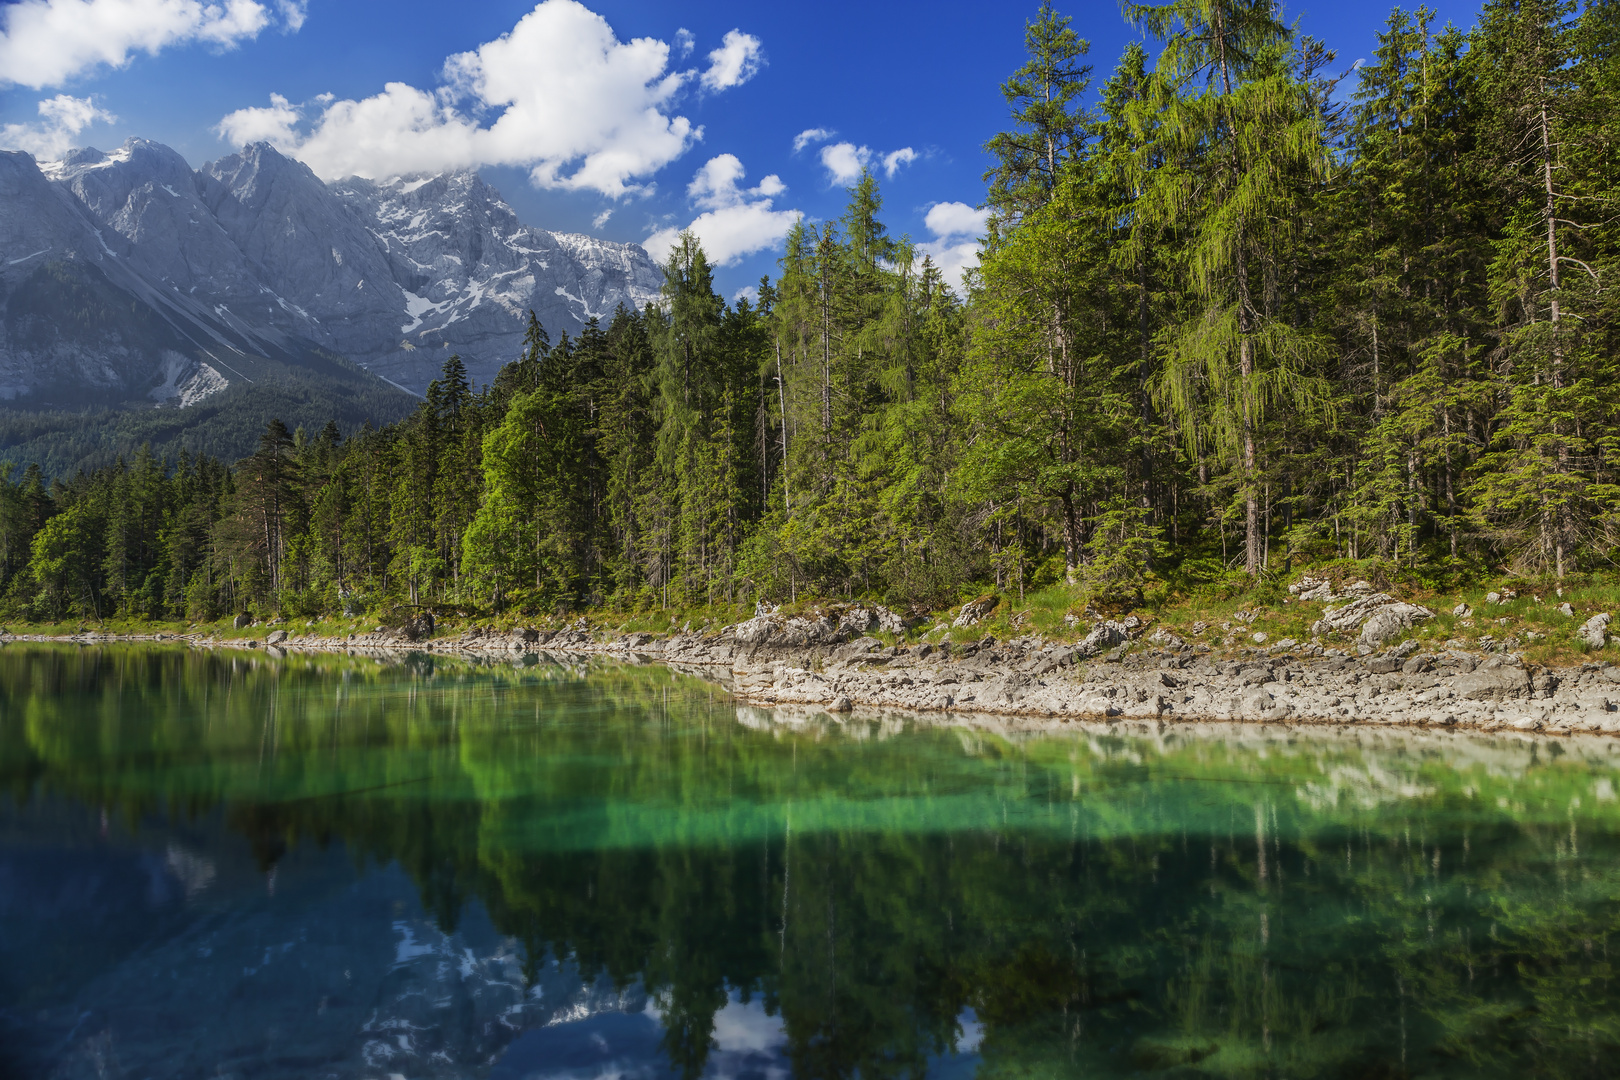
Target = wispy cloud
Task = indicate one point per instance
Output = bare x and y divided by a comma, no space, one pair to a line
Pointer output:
811,135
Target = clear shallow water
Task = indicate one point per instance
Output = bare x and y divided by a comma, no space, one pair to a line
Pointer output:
219,866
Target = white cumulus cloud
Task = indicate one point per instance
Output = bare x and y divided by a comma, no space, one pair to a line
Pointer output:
845,161
558,94
948,219
811,135
61,119
47,42
735,221
956,228
601,219
736,61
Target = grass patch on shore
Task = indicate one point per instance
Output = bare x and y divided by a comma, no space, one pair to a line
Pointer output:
1221,613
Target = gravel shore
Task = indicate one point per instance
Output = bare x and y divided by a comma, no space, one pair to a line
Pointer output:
1166,682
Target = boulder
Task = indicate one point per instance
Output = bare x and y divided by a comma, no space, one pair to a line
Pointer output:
1150,706
1161,636
1379,616
1312,588
242,621
1491,681
275,637
1260,704
1350,616
1462,611
1565,610
859,647
796,631
864,619
755,631
975,611
1105,635
775,630
1005,690
1391,621
1593,632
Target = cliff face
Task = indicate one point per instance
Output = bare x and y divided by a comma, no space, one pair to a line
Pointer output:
131,277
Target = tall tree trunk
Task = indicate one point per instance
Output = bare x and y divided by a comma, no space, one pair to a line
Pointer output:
1561,526
1252,554
781,397
1072,539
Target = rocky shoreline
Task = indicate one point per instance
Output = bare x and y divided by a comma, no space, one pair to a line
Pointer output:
1111,675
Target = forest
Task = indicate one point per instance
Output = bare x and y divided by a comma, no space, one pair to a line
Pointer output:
1241,307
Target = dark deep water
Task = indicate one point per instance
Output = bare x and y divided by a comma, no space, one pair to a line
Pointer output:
217,865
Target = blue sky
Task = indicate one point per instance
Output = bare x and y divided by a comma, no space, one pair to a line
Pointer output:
686,109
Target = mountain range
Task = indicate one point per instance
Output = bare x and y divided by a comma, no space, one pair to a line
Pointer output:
131,278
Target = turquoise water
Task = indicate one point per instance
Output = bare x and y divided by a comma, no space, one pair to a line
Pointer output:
230,865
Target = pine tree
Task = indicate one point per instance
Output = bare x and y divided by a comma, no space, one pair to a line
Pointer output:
1243,141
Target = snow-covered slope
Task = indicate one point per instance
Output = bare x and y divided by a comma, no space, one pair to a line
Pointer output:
124,273
470,272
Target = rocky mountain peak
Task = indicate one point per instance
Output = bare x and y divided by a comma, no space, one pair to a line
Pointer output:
255,253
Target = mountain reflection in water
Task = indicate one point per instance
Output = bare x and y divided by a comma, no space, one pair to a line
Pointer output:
229,865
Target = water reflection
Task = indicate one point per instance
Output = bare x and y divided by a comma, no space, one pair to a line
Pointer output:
214,865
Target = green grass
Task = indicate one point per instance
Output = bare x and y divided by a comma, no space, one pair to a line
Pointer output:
1047,613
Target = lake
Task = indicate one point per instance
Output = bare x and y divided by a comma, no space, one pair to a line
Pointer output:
225,864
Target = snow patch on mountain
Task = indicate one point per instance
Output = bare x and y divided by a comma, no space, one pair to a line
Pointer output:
255,253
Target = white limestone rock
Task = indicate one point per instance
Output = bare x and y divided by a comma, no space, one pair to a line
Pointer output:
1390,621
976,611
1593,633
1350,616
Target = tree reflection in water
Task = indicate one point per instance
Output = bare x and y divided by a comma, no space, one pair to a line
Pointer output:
1210,902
